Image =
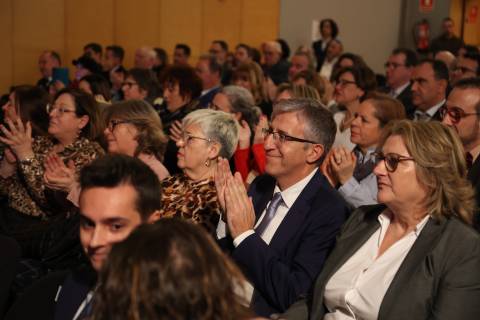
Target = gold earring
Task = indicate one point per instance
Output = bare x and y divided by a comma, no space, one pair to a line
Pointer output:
207,163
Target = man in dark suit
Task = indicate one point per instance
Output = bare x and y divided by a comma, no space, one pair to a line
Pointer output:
210,72
118,194
398,72
429,89
462,112
282,239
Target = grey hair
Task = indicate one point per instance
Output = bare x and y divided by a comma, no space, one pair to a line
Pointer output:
217,126
319,124
241,100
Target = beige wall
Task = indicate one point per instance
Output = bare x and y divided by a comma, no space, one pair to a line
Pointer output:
27,27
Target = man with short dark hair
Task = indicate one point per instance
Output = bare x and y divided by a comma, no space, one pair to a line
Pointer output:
118,194
429,89
219,49
48,60
283,234
94,51
210,72
447,40
181,54
467,66
462,112
113,57
398,71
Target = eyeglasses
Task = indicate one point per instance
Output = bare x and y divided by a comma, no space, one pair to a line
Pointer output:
113,123
282,137
343,82
464,70
455,113
394,65
187,138
60,110
391,160
129,84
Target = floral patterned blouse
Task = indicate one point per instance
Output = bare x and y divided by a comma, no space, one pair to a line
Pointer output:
26,190
191,200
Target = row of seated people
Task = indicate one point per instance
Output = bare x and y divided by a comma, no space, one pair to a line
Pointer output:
377,268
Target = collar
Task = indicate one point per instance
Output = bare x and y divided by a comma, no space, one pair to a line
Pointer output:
399,90
475,152
204,92
435,108
361,158
291,194
384,220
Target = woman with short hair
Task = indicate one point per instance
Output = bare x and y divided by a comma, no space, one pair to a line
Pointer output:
207,135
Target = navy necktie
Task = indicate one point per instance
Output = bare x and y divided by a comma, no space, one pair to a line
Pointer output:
270,213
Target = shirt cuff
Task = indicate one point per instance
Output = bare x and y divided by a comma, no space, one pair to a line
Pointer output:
349,187
239,239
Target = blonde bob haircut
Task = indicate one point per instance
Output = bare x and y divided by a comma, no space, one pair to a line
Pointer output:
218,126
150,138
440,167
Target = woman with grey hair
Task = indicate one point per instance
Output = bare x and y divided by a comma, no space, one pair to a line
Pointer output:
206,136
249,158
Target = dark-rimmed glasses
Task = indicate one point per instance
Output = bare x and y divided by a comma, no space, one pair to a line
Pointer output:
391,160
282,137
455,113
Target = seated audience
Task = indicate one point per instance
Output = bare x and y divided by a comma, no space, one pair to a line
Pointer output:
141,84
351,85
134,129
206,135
180,273
352,171
118,194
400,260
94,51
467,66
334,50
144,58
274,66
181,54
249,157
243,54
161,61
219,50
281,244
250,76
210,72
300,61
311,78
9,257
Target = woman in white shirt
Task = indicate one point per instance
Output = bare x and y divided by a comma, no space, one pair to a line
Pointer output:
352,171
416,257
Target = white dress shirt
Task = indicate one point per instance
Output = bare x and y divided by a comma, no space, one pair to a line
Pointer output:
289,197
429,113
357,289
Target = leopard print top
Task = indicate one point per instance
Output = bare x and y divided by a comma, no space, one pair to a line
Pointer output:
191,200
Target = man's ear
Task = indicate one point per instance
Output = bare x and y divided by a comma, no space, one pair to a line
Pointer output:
155,216
315,153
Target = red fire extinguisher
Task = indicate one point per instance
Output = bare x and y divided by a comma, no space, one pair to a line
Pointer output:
421,35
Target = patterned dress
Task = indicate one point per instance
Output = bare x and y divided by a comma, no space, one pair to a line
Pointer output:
191,200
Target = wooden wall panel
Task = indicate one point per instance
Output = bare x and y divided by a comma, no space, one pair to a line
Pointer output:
136,25
37,25
6,54
87,21
181,28
222,20
260,21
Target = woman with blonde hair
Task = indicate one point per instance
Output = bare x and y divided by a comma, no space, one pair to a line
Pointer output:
250,76
290,91
415,256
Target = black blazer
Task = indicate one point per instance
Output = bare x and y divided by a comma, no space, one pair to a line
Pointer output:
474,177
288,266
439,278
405,97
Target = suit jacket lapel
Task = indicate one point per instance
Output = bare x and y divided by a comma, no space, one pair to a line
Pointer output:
418,252
474,173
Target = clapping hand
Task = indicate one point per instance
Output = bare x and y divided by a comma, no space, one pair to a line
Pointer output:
342,164
244,135
57,175
18,137
176,131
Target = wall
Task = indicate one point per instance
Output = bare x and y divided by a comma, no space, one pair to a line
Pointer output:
27,27
367,27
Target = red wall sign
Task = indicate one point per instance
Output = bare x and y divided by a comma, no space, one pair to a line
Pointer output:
426,5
